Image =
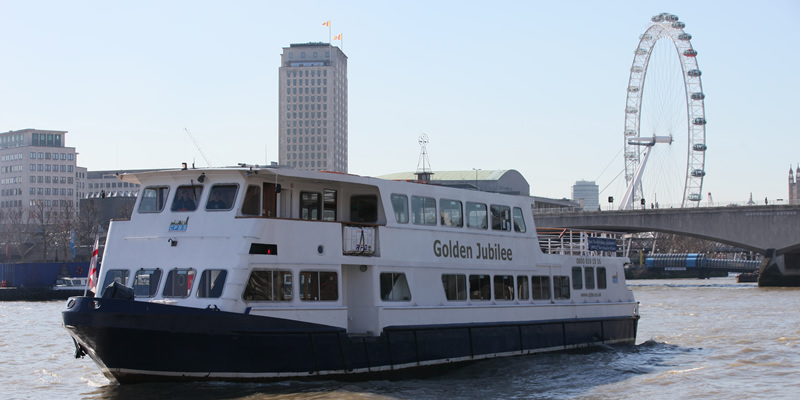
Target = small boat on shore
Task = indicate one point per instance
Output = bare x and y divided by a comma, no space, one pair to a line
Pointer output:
266,273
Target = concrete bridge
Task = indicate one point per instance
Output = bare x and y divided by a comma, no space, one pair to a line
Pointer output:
755,228
770,230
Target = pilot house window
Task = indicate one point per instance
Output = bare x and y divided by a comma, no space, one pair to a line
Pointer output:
153,199
186,198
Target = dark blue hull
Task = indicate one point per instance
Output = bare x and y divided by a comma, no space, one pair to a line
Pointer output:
141,342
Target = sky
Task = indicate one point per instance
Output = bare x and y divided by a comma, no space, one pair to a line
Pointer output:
535,86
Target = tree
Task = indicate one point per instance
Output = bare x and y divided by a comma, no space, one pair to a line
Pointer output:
65,224
18,231
88,223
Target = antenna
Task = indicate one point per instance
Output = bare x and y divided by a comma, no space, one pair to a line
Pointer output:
424,173
202,153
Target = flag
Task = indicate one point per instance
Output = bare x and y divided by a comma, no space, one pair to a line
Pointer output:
338,37
327,23
93,266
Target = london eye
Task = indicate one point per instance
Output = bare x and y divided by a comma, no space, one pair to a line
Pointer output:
665,124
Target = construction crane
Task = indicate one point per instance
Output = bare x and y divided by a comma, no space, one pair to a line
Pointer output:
200,149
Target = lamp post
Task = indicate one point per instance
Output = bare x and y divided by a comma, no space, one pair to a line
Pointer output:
476,178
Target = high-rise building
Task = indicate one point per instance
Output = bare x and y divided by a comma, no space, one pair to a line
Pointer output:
313,107
37,170
587,194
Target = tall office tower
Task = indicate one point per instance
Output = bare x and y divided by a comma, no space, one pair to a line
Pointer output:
587,194
313,107
37,171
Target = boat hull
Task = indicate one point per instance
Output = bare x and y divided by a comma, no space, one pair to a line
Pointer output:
142,342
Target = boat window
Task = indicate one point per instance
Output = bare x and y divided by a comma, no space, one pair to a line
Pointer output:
186,198
310,206
451,213
153,199
364,208
588,275
503,287
222,197
561,287
400,206
501,218
601,278
423,210
519,220
179,283
479,287
211,283
577,281
455,287
145,282
329,205
319,286
252,201
476,215
115,275
540,287
394,287
522,287
268,286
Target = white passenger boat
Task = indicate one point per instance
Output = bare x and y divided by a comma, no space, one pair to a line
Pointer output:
265,273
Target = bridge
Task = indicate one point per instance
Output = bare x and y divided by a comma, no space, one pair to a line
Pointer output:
772,230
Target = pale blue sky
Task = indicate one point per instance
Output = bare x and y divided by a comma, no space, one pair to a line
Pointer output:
539,87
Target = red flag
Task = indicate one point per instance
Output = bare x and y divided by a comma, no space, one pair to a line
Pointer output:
338,37
327,23
93,266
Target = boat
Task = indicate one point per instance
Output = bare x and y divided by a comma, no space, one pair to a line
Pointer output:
264,273
68,287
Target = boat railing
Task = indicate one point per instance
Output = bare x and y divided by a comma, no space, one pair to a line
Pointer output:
587,243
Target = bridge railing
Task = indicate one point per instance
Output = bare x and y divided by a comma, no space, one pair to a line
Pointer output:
585,243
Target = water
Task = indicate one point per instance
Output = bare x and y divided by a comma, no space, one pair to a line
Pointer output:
697,339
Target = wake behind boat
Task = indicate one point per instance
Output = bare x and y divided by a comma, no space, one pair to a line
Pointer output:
257,273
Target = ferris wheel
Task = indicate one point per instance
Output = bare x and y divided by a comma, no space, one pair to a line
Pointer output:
666,108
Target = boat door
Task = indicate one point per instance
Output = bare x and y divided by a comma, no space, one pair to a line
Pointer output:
269,203
285,203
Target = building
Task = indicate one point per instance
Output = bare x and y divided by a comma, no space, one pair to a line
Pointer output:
507,181
37,169
106,184
587,194
794,185
313,107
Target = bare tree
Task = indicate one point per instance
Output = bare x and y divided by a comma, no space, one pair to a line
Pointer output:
672,243
18,232
88,223
41,220
65,224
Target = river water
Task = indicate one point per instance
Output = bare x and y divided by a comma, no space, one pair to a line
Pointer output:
703,339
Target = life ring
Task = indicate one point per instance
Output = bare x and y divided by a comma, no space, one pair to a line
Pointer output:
79,270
